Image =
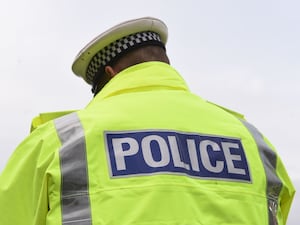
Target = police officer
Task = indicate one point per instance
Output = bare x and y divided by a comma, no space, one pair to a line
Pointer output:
144,151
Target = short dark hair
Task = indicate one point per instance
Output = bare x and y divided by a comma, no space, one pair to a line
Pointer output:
139,55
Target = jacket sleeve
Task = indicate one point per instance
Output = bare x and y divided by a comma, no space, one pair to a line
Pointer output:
279,188
23,182
287,192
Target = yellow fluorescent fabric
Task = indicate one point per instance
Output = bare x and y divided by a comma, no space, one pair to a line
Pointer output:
45,117
24,183
149,97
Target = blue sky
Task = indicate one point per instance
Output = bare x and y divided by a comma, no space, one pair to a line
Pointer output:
244,55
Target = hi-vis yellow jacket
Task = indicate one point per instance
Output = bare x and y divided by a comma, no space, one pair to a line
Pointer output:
145,151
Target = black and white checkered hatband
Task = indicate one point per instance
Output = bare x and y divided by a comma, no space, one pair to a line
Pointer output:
114,50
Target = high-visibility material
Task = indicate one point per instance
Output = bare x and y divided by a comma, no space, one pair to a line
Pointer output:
45,117
75,200
146,151
274,184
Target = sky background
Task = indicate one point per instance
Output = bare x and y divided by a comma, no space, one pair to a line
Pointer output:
243,55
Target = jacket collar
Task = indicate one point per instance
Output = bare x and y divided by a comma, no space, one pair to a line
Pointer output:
143,77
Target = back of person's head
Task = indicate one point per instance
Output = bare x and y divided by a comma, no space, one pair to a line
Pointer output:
136,56
122,46
143,54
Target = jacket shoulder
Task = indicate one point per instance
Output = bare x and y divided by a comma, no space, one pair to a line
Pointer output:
234,113
45,117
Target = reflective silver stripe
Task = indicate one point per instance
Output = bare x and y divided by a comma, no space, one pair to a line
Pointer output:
75,202
269,159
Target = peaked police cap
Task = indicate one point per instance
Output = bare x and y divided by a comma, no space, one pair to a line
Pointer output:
111,44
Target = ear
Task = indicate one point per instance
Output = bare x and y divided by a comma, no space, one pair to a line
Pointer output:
110,71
